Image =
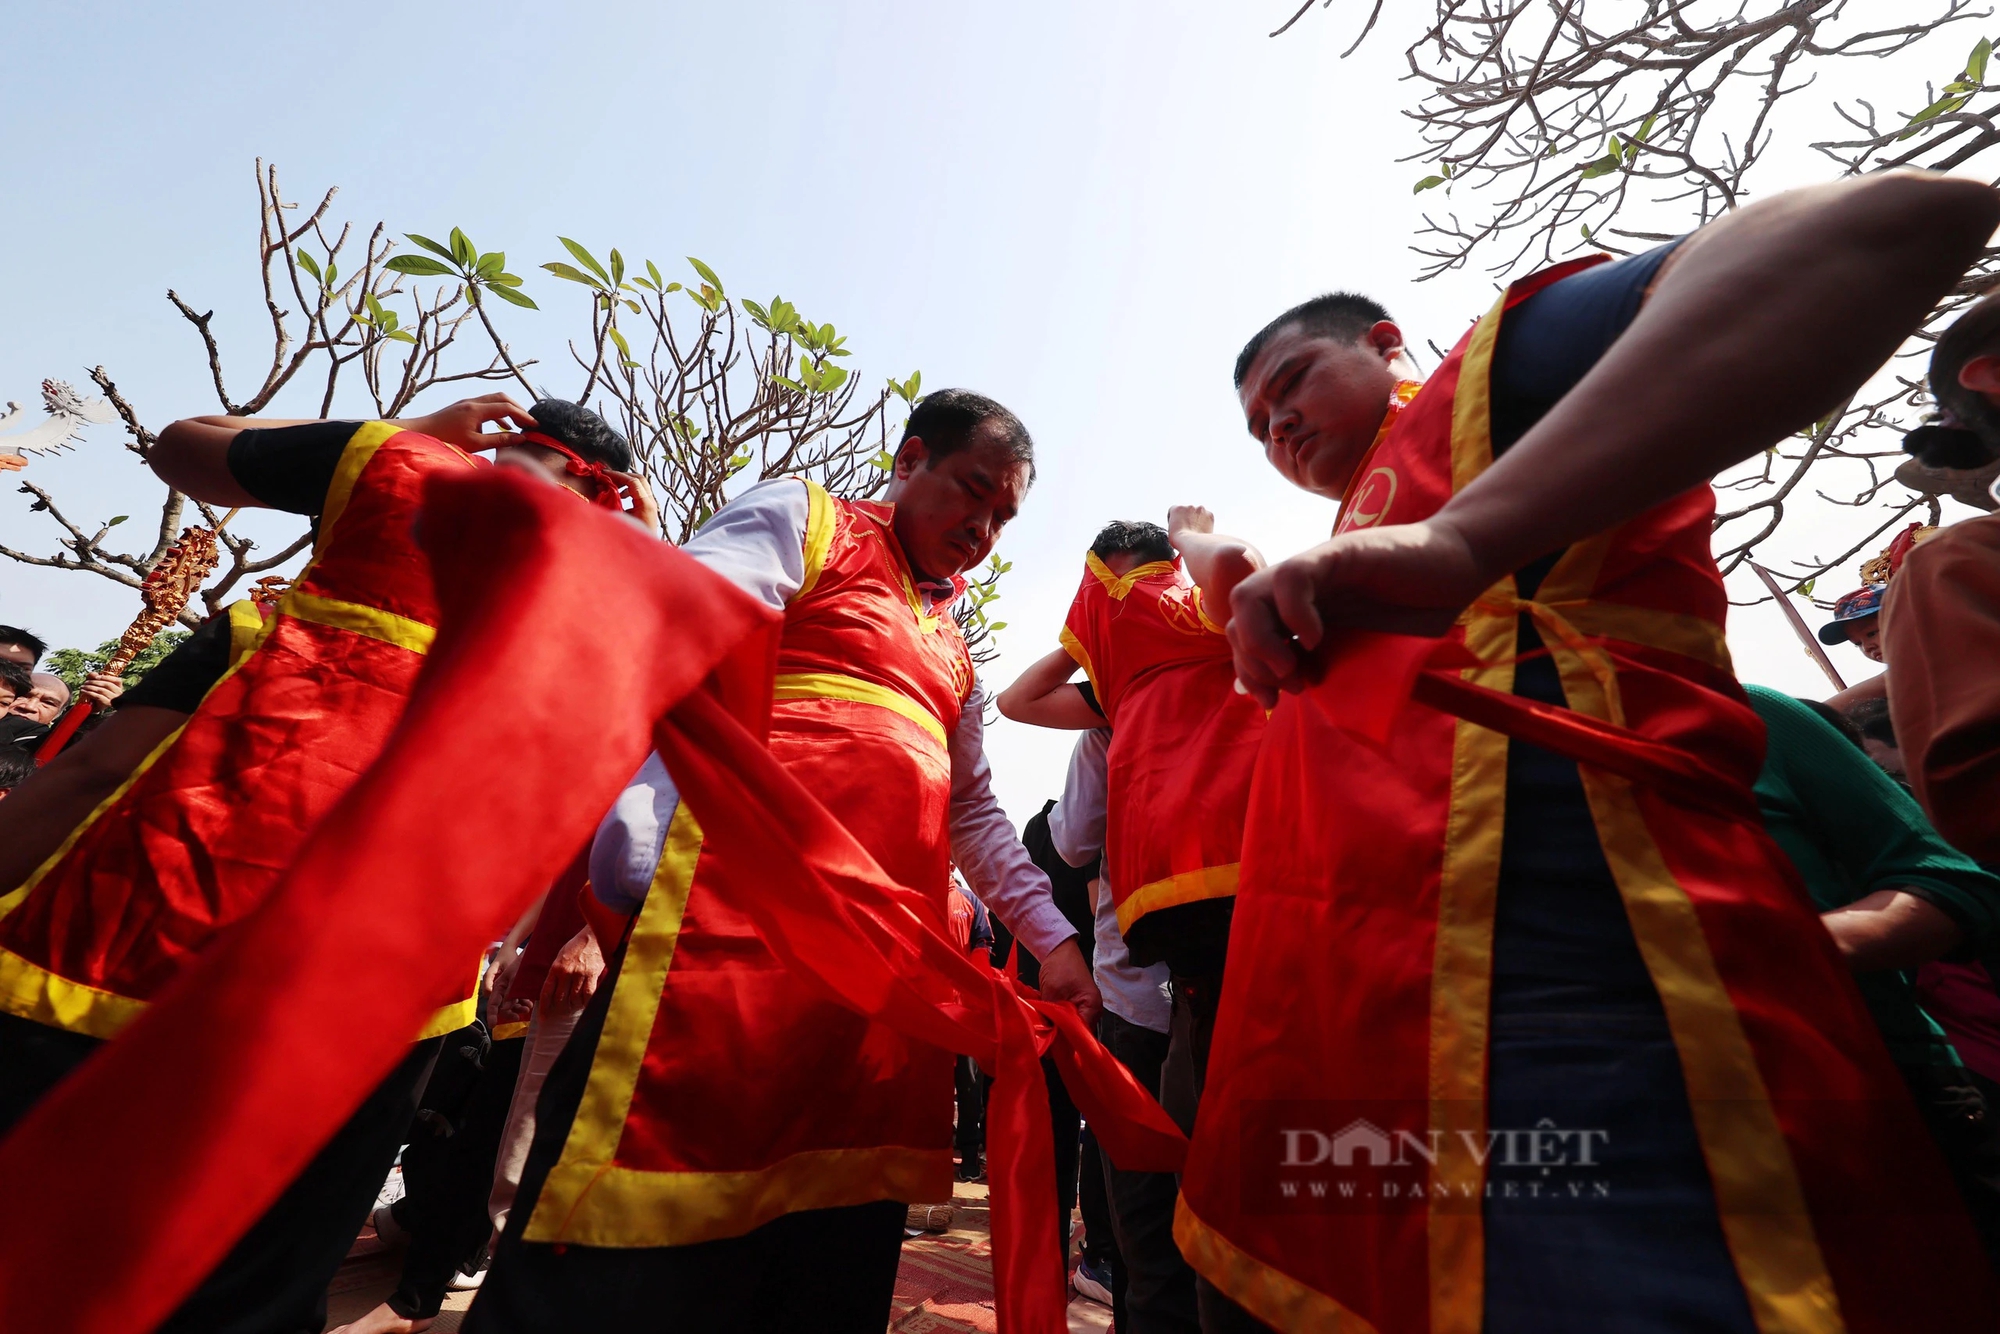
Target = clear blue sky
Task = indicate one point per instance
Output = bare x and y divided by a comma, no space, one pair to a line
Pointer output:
1080,209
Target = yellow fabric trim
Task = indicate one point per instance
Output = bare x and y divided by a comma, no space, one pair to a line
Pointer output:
1074,647
832,685
819,534
452,1018
1670,631
1120,586
13,899
1461,989
1277,1299
1472,402
386,626
1757,1192
361,447
1210,882
631,1208
628,1026
33,992
246,629
501,1032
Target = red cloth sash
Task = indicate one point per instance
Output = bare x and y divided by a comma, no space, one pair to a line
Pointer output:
202,831
1183,742
157,1155
1368,931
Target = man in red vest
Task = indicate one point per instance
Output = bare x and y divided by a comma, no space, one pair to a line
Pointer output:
1509,1042
720,1145
130,852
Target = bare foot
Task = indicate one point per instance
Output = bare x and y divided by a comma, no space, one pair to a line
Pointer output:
382,1320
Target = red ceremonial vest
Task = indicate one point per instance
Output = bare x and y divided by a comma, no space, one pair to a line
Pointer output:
199,833
1183,747
727,1089
1353,1028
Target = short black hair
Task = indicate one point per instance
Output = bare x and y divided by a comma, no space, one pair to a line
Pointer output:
1971,436
14,634
1145,540
1838,721
16,677
1341,316
945,421
583,431
15,766
1871,718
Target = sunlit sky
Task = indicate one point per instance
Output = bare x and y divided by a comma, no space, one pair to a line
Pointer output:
1082,210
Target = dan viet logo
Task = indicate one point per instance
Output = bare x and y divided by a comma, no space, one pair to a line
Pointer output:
1363,1164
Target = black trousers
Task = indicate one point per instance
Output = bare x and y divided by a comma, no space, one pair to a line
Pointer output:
968,1136
832,1271
1966,1124
1159,1285
274,1281
447,1219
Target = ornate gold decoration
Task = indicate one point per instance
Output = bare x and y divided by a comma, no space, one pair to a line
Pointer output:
168,587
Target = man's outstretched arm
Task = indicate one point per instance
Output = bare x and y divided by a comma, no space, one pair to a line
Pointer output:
1761,323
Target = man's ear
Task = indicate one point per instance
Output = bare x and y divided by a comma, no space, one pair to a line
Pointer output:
911,455
1385,338
1981,375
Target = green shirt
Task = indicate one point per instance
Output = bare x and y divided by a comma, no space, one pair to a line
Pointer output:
1851,830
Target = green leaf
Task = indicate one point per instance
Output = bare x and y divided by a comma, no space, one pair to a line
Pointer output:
635,307
1807,587
585,258
619,339
510,295
332,274
653,272
429,244
617,266
1428,183
463,252
1938,108
402,337
1586,231
996,627
1645,128
571,273
505,280
884,460
420,265
492,263
1604,166
308,263
707,273
1975,68
115,522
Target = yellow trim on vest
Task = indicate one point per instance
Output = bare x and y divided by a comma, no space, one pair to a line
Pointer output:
1120,586
373,622
819,534
1758,1195
360,448
452,1018
1076,650
1277,1299
1670,631
1210,882
246,629
502,1032
621,1047
629,1207
1461,989
33,992
833,685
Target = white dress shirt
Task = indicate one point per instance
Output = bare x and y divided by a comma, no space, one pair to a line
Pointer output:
757,542
1076,827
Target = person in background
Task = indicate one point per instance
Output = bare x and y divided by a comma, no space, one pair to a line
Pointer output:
47,697
1894,896
18,645
1873,720
1857,620
972,927
16,680
1154,1288
15,766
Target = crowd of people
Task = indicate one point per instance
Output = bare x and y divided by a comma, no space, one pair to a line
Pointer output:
1505,962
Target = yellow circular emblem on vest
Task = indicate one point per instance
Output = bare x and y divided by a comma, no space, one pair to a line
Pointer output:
1371,500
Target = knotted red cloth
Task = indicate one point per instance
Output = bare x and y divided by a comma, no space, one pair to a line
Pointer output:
605,492
166,1146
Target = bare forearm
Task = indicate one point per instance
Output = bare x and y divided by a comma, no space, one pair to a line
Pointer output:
1762,323
1041,696
1217,563
1891,929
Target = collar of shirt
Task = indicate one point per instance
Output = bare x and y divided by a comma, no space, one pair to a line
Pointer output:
936,593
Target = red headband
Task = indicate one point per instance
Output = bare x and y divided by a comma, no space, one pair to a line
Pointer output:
578,466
